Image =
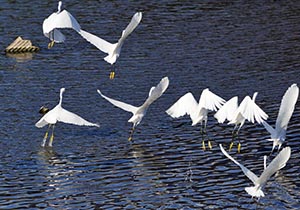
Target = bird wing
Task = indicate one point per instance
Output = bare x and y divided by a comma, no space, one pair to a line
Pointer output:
135,20
41,123
227,110
156,92
63,19
210,101
122,105
71,118
101,44
186,104
250,111
277,163
286,109
245,170
269,128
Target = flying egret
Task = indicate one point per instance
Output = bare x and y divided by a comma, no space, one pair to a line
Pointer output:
59,19
277,163
113,50
59,114
286,110
187,104
140,112
247,110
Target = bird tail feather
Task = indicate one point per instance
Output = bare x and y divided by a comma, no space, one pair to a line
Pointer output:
254,192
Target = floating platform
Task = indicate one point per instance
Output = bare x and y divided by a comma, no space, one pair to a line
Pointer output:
21,46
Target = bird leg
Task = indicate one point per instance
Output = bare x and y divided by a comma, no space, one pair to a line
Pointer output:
131,134
51,44
46,136
239,147
51,137
203,132
112,73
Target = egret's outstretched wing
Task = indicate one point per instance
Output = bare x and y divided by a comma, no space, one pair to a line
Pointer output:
156,92
227,110
41,123
246,171
287,107
135,20
71,118
184,105
122,105
250,111
277,163
101,44
269,128
210,101
63,19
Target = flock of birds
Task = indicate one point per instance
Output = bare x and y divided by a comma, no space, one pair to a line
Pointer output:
186,105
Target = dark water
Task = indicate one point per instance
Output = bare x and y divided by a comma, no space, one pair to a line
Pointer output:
234,48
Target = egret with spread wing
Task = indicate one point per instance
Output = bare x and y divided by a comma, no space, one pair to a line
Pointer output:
59,114
187,104
247,110
58,20
113,50
140,112
286,110
277,163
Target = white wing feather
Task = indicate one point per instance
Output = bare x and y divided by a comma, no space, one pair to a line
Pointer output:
122,105
156,92
277,163
210,101
71,118
286,109
245,170
250,111
135,20
184,105
226,112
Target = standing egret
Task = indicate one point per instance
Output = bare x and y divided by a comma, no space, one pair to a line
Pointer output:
277,163
59,19
113,50
187,104
59,114
286,110
247,110
140,112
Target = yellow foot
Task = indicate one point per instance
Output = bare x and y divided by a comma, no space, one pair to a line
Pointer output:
239,147
203,145
209,145
51,44
112,75
230,146
130,138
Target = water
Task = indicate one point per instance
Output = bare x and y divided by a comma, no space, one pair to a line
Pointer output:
234,48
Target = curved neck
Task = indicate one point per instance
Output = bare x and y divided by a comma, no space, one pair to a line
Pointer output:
61,96
59,7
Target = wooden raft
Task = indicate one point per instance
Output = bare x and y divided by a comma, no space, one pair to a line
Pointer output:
20,46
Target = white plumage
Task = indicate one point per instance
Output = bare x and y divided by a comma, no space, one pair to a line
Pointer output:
59,114
277,163
140,112
56,21
113,50
286,110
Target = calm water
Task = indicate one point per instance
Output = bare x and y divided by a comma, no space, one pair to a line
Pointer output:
234,48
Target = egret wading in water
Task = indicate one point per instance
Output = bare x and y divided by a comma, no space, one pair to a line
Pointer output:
277,163
187,104
59,114
113,50
286,110
140,112
237,115
58,20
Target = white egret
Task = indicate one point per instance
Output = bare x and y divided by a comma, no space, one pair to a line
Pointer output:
113,50
277,163
187,104
59,114
286,110
247,110
140,112
57,20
